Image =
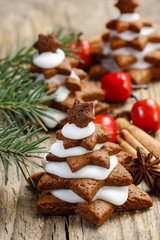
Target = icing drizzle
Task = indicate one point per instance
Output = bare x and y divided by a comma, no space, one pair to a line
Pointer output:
58,116
58,150
62,169
107,193
129,17
73,132
49,59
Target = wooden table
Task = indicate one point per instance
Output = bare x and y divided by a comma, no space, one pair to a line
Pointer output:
19,20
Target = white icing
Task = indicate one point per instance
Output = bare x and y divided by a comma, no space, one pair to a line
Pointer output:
111,194
73,132
53,123
67,195
49,59
44,160
62,169
114,195
140,64
58,150
129,17
129,35
61,94
106,49
95,102
60,78
138,54
74,75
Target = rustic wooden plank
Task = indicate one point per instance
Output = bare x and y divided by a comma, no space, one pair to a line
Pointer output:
18,217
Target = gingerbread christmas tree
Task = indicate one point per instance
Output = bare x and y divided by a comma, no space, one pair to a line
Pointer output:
64,78
84,172
131,45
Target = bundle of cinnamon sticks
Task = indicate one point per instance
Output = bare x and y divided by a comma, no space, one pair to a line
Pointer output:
130,137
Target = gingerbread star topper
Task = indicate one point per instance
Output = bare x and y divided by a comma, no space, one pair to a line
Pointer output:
81,113
126,6
47,43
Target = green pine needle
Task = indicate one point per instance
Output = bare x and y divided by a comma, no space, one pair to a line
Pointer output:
16,149
23,99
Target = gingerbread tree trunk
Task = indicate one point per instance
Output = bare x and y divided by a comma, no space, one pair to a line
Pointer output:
67,81
132,45
84,172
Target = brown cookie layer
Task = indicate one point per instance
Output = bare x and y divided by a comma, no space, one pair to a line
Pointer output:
124,61
86,188
111,149
141,76
73,84
64,68
97,71
49,204
138,43
96,212
89,92
99,136
126,26
153,57
137,199
99,157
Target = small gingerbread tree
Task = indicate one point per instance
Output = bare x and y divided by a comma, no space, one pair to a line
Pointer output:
131,45
64,79
84,172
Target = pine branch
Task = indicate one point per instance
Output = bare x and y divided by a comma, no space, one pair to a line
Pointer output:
67,39
16,149
22,99
21,55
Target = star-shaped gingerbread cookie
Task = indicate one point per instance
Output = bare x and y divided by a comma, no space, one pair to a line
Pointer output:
126,6
64,68
81,113
99,136
47,43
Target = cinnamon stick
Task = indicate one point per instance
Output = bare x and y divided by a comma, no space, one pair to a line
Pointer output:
126,147
131,140
151,144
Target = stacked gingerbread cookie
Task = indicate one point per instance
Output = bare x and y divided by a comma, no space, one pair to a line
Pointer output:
64,78
131,45
84,172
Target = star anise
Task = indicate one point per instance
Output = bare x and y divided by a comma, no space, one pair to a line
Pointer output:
81,113
144,167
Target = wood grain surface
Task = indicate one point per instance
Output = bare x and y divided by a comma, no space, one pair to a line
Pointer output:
24,19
